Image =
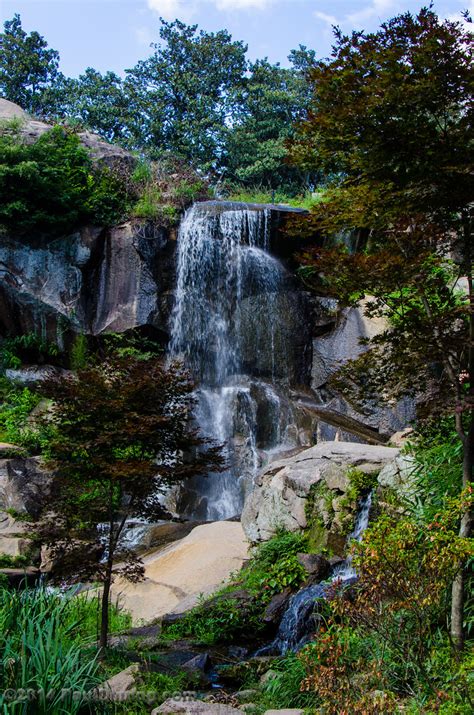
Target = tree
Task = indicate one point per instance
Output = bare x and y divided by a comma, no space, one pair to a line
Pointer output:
180,95
266,107
391,122
28,68
99,102
122,435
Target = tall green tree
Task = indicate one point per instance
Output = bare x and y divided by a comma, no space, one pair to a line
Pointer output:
97,101
123,435
267,105
28,68
181,95
391,121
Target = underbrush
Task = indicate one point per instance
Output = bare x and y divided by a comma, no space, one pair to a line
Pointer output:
235,612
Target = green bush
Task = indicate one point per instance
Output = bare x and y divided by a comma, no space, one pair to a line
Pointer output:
16,404
28,348
51,186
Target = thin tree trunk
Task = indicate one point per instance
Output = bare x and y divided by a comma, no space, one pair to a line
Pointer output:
467,436
104,619
458,589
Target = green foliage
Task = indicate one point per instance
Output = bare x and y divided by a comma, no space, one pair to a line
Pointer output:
27,348
261,195
79,355
28,69
16,406
51,186
12,562
41,653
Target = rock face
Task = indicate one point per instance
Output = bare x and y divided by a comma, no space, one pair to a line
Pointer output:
92,282
176,576
283,489
23,487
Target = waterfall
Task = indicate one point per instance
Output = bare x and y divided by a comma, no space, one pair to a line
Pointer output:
301,616
226,327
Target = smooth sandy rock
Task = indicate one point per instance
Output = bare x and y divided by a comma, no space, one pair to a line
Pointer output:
195,707
119,687
9,110
281,490
176,576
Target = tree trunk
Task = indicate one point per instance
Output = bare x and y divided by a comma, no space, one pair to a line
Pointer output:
104,620
467,437
457,595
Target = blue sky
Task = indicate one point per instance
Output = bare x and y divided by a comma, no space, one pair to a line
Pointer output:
114,34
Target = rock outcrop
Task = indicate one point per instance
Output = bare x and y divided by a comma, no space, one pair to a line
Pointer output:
285,489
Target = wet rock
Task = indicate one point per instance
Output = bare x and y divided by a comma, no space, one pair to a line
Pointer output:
284,486
277,606
335,561
315,565
198,668
252,669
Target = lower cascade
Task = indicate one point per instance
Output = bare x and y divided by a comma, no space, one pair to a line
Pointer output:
300,618
229,328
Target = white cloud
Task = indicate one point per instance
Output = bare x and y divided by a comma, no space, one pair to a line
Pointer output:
171,9
242,4
329,20
458,16
376,9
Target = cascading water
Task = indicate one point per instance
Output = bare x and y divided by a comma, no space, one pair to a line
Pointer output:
226,325
300,618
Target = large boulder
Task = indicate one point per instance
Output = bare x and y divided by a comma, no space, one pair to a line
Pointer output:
31,129
176,576
283,488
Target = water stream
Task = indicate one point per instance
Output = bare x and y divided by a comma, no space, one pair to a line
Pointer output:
300,619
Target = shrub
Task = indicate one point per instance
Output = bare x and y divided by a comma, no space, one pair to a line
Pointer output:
27,348
51,186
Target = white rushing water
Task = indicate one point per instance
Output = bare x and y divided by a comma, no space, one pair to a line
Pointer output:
226,315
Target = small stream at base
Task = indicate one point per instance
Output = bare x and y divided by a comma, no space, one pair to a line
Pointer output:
300,619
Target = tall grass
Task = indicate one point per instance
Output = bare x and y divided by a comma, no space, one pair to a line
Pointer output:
47,662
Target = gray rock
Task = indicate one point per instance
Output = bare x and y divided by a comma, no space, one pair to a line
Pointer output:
23,485
283,487
32,374
315,565
119,687
277,606
398,475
